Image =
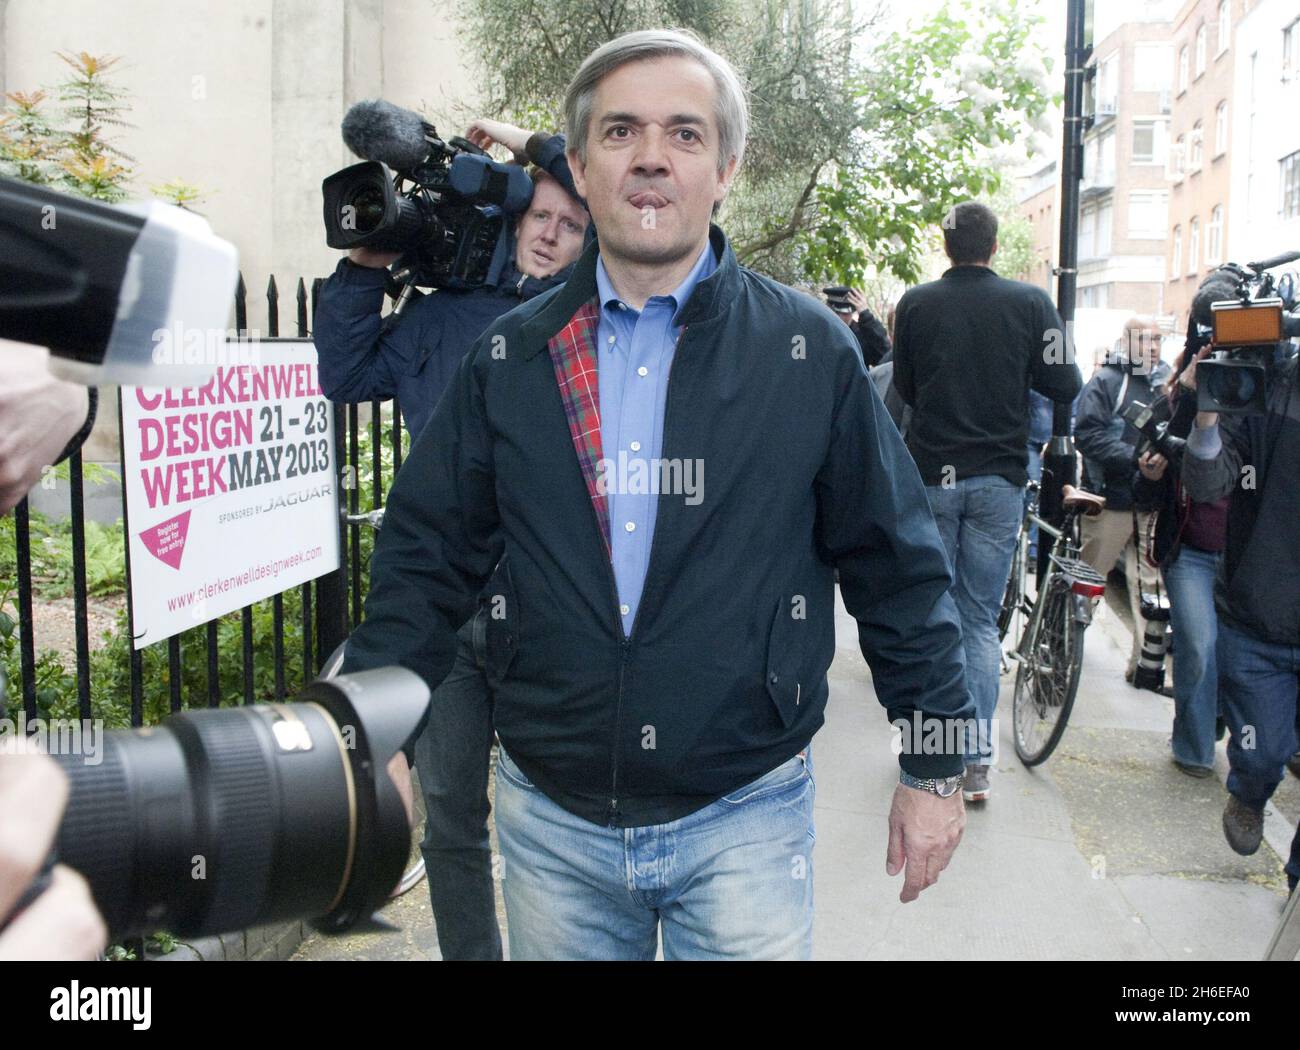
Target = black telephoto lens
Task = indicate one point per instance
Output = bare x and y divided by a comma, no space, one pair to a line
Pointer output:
221,819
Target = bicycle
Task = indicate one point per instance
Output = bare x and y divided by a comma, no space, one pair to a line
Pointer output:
415,870
1049,653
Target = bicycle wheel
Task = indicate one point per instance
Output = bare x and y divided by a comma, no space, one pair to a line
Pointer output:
414,873
1014,596
1047,675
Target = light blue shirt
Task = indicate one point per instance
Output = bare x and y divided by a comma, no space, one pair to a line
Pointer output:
634,353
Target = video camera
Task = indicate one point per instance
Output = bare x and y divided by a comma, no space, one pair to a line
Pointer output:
837,298
446,205
1248,323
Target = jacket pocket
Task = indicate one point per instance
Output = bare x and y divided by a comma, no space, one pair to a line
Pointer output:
502,633
784,651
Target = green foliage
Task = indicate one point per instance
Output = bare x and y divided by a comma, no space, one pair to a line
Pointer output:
28,143
852,161
79,158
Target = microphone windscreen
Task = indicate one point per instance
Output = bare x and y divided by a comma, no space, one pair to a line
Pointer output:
378,130
1217,286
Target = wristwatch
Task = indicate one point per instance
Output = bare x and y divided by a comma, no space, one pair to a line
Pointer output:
944,787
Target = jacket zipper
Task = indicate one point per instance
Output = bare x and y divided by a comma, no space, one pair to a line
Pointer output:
625,639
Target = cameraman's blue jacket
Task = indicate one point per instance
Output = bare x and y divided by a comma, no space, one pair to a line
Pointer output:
415,359
723,675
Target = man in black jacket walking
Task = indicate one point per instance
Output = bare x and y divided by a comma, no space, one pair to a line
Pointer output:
672,626
967,350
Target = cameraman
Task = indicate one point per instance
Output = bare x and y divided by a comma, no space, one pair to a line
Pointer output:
1109,446
850,306
415,360
1254,460
1187,544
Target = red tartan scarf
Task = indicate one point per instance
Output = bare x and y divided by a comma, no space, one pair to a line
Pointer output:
573,353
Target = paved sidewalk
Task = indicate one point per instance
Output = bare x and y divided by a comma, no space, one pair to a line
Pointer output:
1105,852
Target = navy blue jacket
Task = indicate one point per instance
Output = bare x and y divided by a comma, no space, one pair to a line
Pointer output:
723,676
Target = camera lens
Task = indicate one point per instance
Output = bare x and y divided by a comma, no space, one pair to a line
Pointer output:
223,819
368,203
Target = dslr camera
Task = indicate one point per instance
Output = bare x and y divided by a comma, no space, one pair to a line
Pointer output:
1155,432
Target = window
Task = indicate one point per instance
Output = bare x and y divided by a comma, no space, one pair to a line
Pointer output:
1290,180
1148,212
1225,25
1197,147
1087,227
1149,142
1214,237
1183,61
1094,295
1176,269
1101,244
1180,156
1202,46
1107,85
1106,157
1152,66
1193,245
1221,129
1290,43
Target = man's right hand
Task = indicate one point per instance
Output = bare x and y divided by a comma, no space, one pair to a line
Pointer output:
373,258
63,922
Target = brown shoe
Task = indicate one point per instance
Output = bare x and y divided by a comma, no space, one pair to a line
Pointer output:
1243,827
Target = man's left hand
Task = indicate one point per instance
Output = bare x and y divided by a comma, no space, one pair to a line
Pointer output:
485,134
924,830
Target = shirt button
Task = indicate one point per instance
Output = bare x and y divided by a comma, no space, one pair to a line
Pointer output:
630,526
636,446
625,609
642,371
612,340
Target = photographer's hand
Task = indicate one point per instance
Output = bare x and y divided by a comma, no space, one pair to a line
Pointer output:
62,923
485,133
1152,465
39,414
1204,420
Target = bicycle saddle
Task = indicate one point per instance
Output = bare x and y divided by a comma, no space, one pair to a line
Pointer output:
1089,504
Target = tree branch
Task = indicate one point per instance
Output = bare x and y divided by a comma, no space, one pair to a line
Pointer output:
792,225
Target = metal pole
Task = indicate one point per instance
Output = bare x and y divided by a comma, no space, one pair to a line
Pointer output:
1059,462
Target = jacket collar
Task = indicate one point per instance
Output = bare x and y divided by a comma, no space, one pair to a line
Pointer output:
711,298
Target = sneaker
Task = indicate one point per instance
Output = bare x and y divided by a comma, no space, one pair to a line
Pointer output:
1293,764
1243,827
1199,772
975,788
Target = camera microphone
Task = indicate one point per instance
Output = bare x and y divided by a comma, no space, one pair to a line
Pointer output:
378,130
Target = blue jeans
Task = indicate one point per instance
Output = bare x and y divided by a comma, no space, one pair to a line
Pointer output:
1260,683
451,756
730,881
1190,583
979,519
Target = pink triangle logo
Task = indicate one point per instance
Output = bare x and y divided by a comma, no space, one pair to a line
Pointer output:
166,540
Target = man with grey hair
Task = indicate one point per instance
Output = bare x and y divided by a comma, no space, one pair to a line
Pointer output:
670,647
